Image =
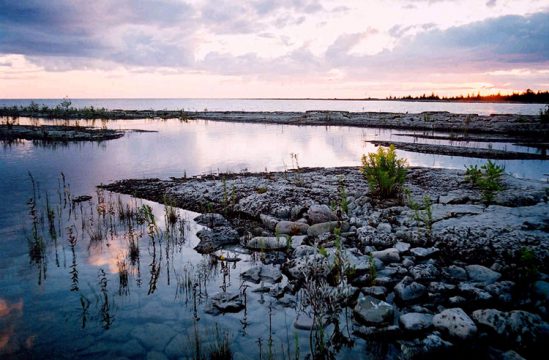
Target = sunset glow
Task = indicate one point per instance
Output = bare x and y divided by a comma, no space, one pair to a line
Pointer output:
288,48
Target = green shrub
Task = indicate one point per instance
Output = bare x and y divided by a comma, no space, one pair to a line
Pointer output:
487,178
384,172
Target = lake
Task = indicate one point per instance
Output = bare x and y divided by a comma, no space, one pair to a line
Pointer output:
70,287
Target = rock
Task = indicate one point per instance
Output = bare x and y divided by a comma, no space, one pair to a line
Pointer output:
416,321
153,336
304,250
502,291
378,332
441,287
421,252
131,349
304,321
268,243
456,273
211,220
456,323
482,274
402,247
327,227
408,290
268,221
429,347
388,255
320,214
155,355
297,240
474,293
370,310
227,302
291,228
511,355
541,290
384,227
457,300
375,291
424,272
260,273
213,239
519,327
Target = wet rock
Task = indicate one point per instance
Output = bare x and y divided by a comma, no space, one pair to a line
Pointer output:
223,255
511,355
177,347
304,321
387,256
378,332
268,221
455,273
260,273
327,227
291,228
211,220
482,274
457,300
300,267
155,355
502,291
430,346
153,336
441,287
424,272
227,302
268,243
402,247
375,291
541,290
408,290
422,253
416,321
472,292
320,214
287,300
81,198
213,239
520,327
131,349
370,310
456,323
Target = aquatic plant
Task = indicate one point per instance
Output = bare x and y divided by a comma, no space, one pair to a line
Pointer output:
384,172
487,178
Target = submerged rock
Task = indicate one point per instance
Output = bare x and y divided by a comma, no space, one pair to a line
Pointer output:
370,310
227,302
213,239
260,273
456,323
416,321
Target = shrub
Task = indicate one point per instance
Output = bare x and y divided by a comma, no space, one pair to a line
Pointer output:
487,178
384,172
544,115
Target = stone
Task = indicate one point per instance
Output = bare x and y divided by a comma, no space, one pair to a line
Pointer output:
384,333
268,243
456,273
402,247
472,292
211,220
541,290
304,321
131,349
416,321
511,355
457,300
408,290
291,228
267,273
213,239
370,310
424,272
502,291
428,347
320,214
384,227
304,250
268,221
375,291
482,274
155,355
441,287
177,347
388,255
227,302
327,227
422,253
297,240
153,336
456,323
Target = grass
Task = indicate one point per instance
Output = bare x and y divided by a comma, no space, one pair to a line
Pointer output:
384,172
487,178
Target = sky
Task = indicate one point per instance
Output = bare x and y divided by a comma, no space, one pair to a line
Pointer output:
271,48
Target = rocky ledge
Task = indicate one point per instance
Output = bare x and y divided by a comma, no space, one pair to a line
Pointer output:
451,275
57,133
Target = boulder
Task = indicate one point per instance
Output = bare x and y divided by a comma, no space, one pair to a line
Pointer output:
402,247
211,220
327,227
291,228
267,273
227,302
422,253
456,323
424,272
408,290
372,311
416,321
482,274
388,255
320,214
268,221
213,239
268,243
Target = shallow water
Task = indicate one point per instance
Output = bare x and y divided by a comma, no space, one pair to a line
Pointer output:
290,105
40,314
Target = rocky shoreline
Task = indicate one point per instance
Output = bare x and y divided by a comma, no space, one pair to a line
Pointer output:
449,274
512,124
60,133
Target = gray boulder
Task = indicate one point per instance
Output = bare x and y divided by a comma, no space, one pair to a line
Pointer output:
388,255
268,221
211,220
260,273
482,274
327,227
291,228
320,214
268,243
421,252
372,311
416,321
213,239
456,323
408,290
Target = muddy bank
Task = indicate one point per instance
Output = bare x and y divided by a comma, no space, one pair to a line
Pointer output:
440,121
451,150
432,274
57,133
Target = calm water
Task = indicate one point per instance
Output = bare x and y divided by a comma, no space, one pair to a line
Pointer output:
44,310
290,105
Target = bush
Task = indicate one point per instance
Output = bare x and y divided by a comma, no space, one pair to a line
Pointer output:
384,172
487,178
544,115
